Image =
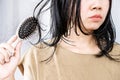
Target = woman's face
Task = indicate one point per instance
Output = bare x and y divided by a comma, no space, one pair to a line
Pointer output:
93,13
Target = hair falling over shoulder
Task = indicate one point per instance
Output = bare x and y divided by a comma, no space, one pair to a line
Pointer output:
65,12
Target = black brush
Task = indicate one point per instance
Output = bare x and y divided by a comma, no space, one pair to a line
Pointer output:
26,29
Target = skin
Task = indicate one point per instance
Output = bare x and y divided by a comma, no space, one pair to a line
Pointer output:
90,8
8,63
83,43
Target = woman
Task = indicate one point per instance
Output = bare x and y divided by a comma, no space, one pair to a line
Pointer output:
82,47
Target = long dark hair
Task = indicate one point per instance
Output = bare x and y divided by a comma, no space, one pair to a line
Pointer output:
65,12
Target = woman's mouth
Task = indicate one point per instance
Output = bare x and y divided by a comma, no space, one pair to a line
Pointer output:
96,18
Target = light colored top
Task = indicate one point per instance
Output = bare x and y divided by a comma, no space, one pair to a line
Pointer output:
67,65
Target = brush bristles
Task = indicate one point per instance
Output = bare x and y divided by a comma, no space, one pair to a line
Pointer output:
28,27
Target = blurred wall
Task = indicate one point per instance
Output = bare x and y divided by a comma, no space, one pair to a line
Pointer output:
116,17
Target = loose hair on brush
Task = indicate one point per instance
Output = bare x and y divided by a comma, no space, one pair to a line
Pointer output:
65,12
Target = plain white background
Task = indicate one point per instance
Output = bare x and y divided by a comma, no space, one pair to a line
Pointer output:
13,12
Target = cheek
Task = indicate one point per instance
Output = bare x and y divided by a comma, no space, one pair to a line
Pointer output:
84,13
106,8
105,12
84,8
88,24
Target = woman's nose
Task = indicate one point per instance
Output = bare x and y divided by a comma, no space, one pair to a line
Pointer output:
96,6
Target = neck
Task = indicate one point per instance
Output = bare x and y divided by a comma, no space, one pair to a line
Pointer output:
81,38
81,44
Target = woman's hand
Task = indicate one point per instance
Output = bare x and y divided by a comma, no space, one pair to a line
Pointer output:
9,58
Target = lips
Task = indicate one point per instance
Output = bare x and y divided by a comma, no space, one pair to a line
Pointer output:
96,18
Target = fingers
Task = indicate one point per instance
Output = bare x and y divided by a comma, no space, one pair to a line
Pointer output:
8,62
12,39
6,49
5,52
4,57
7,46
17,50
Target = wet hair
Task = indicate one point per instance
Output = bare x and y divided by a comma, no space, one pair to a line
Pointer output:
65,12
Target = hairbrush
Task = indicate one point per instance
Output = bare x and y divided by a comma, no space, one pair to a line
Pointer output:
26,29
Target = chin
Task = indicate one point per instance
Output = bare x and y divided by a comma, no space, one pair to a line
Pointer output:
92,28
